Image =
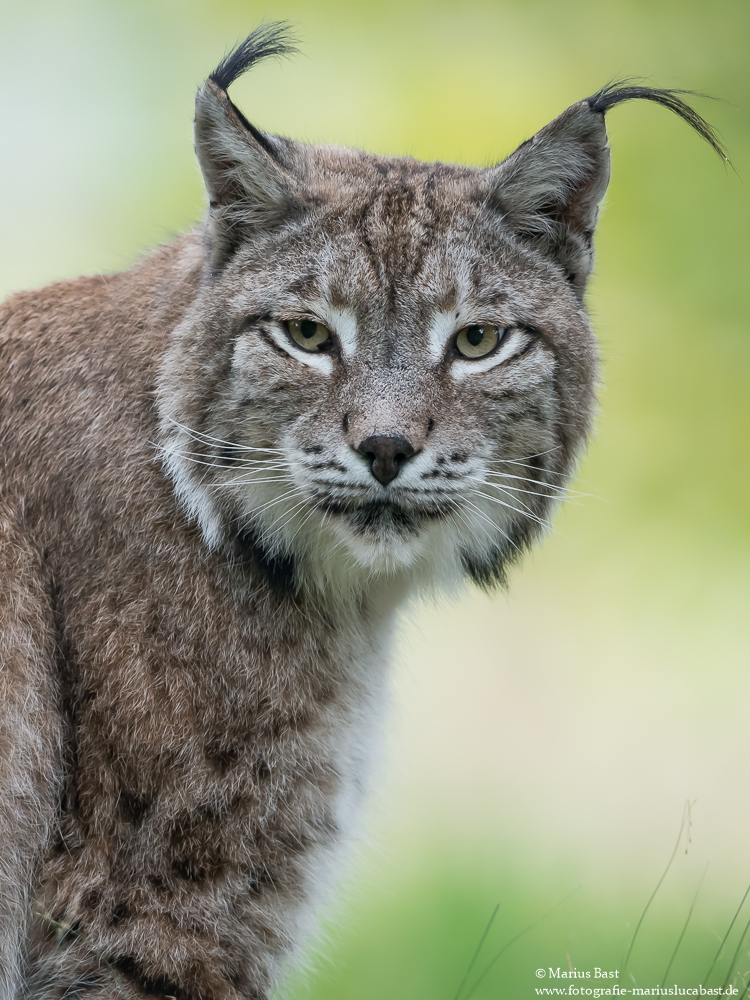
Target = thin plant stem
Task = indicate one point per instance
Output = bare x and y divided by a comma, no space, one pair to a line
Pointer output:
724,939
513,941
685,816
736,955
690,913
747,987
476,953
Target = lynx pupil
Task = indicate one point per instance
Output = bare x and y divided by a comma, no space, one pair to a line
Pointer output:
308,328
475,335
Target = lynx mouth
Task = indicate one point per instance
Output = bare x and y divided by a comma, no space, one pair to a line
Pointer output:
379,516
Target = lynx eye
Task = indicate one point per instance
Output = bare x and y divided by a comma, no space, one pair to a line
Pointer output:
477,341
309,335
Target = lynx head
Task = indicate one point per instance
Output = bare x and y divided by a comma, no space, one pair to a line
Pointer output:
388,369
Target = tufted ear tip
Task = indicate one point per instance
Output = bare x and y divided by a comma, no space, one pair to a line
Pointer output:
549,190
620,91
266,41
248,182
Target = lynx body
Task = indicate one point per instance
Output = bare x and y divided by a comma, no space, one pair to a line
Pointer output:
223,470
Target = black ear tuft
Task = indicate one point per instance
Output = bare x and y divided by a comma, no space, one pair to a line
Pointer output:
550,188
250,178
625,90
267,40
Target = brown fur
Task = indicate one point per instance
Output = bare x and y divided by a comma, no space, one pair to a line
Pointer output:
193,703
188,685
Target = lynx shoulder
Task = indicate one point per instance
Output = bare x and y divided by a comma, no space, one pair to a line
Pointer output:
223,470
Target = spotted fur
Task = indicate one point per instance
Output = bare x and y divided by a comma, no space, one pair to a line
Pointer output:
198,566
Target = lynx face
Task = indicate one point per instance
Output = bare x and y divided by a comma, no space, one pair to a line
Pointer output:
394,380
389,367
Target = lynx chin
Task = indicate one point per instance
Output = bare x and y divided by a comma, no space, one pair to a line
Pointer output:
223,471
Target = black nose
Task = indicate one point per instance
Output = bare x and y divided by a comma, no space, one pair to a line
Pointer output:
386,455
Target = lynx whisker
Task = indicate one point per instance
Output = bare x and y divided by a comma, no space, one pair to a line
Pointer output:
202,458
284,496
513,491
286,515
533,468
561,487
203,438
522,508
534,454
562,496
249,515
242,466
470,525
533,480
557,492
260,469
524,460
303,523
243,460
231,483
524,513
495,527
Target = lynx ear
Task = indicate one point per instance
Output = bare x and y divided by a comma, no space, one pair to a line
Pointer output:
246,172
550,188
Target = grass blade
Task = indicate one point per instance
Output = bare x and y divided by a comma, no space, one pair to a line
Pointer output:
476,953
724,939
735,956
690,913
513,940
685,817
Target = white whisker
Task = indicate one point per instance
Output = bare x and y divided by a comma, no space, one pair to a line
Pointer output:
202,437
562,495
496,527
472,527
270,503
511,493
524,465
247,482
249,515
243,466
561,487
510,506
287,514
202,455
558,491
303,523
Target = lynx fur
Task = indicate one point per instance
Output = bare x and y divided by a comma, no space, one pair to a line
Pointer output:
223,471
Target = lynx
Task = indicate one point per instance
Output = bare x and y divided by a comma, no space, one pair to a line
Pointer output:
224,470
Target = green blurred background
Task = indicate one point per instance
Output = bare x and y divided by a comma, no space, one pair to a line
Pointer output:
546,740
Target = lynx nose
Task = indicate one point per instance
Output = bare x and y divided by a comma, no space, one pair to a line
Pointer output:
386,455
